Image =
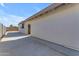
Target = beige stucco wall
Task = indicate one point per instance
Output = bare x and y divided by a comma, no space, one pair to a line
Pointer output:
21,29
4,30
61,27
26,27
0,30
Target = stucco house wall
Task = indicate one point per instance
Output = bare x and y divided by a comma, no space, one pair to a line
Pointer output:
26,27
61,27
4,30
22,30
0,30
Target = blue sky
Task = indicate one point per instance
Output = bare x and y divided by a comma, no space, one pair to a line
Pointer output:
13,13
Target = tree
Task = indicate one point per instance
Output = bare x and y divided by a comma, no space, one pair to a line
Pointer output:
11,25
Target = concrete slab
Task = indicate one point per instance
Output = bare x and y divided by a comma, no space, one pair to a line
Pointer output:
57,47
18,44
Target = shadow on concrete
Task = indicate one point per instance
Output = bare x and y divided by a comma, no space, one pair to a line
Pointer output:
14,34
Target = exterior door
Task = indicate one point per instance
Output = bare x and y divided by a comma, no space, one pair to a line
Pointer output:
29,29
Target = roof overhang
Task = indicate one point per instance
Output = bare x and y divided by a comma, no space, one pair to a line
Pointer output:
52,6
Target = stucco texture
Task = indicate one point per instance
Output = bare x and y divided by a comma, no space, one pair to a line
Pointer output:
61,27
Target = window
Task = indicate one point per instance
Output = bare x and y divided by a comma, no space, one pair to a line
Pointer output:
22,26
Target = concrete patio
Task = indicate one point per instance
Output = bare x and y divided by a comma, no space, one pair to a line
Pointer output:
18,44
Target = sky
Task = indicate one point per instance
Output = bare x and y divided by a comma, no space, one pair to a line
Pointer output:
13,13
